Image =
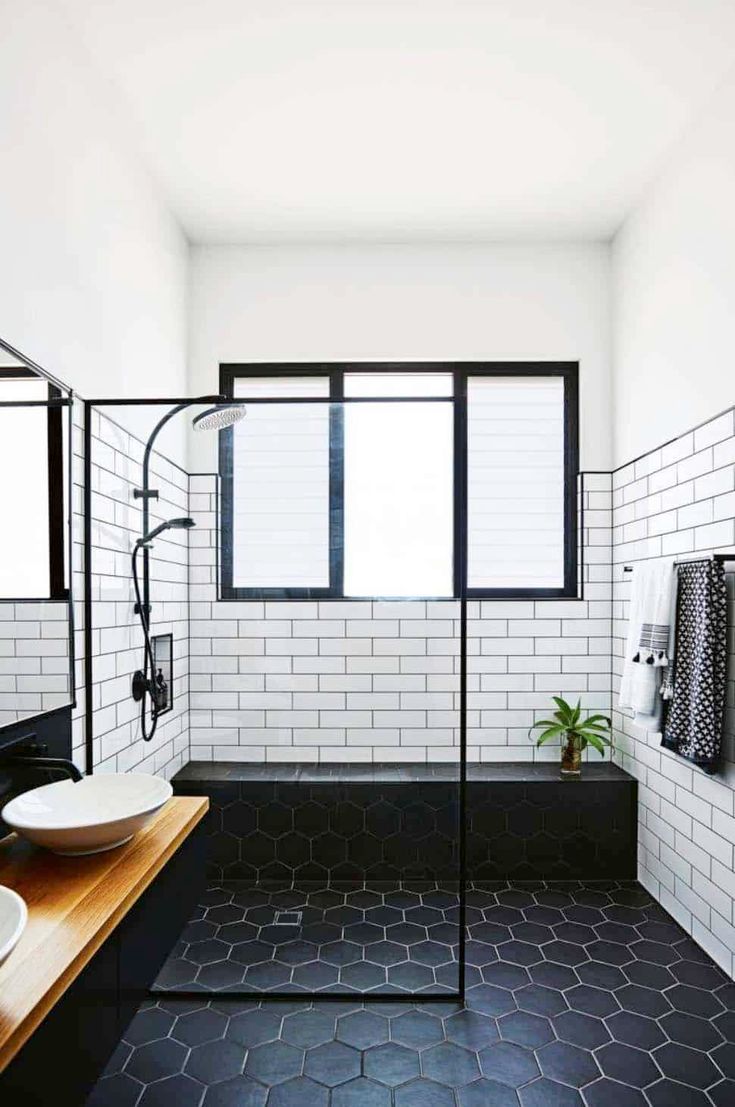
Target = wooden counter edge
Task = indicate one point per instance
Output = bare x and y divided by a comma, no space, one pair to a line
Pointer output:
11,1042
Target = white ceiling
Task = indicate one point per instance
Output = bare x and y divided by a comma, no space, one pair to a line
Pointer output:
404,120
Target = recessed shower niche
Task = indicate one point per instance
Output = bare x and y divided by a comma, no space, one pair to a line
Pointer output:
162,649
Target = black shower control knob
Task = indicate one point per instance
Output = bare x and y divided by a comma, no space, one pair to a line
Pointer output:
140,685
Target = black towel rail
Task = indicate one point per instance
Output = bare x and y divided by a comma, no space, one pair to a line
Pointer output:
682,561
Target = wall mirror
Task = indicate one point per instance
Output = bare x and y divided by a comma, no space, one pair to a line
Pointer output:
36,614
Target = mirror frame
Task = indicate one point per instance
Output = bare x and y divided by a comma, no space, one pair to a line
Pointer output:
65,400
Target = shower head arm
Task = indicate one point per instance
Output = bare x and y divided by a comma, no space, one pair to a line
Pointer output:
145,492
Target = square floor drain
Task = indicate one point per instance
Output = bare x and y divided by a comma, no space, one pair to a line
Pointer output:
287,918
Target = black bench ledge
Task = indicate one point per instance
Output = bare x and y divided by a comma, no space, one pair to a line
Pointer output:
336,822
511,772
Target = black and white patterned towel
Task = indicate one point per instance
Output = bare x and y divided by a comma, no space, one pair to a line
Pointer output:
695,716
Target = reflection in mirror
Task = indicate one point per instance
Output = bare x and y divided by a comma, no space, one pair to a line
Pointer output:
34,564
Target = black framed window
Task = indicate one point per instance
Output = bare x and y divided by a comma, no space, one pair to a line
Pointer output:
32,559
377,475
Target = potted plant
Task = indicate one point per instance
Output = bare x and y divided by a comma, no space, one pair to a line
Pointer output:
575,733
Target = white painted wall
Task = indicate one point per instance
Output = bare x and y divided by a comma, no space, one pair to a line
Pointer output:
386,302
93,284
674,289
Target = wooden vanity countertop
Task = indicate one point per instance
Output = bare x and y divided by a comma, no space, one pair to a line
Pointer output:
74,904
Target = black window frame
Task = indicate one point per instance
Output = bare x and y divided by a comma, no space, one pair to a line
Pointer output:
461,372
57,586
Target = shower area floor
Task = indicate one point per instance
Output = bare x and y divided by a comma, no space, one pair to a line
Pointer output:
373,937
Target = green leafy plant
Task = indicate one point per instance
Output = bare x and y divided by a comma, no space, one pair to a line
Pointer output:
569,726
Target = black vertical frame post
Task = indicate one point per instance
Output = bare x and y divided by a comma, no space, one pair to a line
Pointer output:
55,444
70,555
336,483
460,570
88,702
572,525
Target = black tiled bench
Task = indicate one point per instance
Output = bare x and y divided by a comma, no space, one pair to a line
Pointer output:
332,823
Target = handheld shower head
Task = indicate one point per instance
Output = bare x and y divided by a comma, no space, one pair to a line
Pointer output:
219,417
170,524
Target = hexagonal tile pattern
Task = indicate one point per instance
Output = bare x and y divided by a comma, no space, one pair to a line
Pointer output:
577,994
378,938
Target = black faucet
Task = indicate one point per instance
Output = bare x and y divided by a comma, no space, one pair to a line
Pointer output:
31,761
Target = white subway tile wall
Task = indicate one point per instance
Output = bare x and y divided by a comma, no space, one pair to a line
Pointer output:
34,658
680,500
117,641
379,681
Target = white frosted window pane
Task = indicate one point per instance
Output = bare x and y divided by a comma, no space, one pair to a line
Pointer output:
398,499
24,550
410,383
275,387
280,526
515,452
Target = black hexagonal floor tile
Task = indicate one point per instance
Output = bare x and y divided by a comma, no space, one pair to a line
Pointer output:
549,1093
687,1066
306,1029
419,1029
252,1028
332,1064
391,1064
487,1093
581,1030
636,1030
149,1024
694,1001
525,1029
423,1093
450,1064
273,1062
359,1092
197,1027
627,1064
647,975
241,1091
509,1064
362,1029
723,1094
297,1092
213,1061
540,1000
492,1000
667,1093
610,1093
505,975
115,1090
179,1089
154,1060
724,1056
567,1064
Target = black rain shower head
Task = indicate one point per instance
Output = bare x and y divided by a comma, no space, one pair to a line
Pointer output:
218,418
170,524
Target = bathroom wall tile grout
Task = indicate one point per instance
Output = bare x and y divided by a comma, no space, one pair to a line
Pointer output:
665,505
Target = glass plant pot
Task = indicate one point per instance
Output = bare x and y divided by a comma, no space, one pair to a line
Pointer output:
571,757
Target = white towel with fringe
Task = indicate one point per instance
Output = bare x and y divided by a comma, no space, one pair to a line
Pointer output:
650,622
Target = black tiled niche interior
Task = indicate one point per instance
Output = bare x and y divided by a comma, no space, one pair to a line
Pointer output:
401,823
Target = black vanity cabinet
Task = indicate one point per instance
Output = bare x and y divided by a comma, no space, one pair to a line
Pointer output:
65,1055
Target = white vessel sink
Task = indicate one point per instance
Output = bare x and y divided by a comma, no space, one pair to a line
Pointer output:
88,816
13,919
